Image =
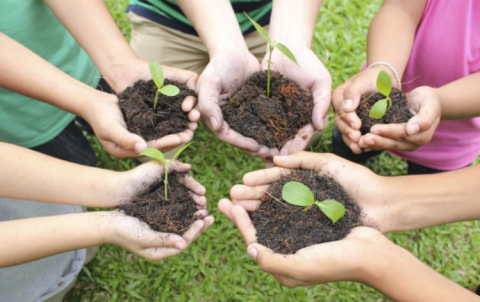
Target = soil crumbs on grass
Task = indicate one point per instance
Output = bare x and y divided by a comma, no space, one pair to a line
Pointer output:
174,215
137,101
397,114
270,121
287,228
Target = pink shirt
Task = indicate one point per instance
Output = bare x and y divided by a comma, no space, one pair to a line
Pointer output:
446,48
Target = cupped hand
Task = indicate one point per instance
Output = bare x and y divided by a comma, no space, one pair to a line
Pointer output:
418,131
224,75
312,76
116,139
136,236
345,101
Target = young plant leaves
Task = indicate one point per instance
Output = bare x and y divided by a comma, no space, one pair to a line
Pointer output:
378,109
170,90
179,151
332,209
287,52
260,29
156,71
155,154
298,194
384,83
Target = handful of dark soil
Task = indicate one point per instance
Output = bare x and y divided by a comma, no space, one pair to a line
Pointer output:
136,103
397,114
270,121
174,215
286,228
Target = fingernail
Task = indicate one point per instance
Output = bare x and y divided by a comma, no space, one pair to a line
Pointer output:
214,123
252,252
139,147
348,104
414,129
180,245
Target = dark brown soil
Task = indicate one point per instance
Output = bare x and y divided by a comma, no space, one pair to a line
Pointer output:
174,215
270,121
286,228
136,103
397,114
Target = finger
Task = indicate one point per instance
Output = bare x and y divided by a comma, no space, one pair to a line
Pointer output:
321,102
248,205
234,138
208,104
158,253
244,224
226,206
242,192
263,177
299,142
189,78
193,185
171,141
392,131
193,232
121,143
291,282
194,117
304,160
375,142
189,103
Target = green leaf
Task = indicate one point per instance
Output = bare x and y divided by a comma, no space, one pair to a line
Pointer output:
284,49
260,29
154,153
332,209
378,109
177,154
384,83
157,73
170,90
298,194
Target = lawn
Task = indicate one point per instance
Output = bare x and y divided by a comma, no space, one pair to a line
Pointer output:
216,266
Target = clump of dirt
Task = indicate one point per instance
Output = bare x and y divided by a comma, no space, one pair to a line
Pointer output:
397,114
174,215
136,103
287,228
270,121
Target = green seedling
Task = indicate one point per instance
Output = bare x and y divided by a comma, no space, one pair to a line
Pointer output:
384,86
271,46
160,157
298,194
156,72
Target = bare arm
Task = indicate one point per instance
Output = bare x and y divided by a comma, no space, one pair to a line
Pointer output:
465,89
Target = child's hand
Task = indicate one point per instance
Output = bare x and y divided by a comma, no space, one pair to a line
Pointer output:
367,189
418,131
135,235
345,101
223,75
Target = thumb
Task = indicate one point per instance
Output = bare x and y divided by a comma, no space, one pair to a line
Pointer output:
124,142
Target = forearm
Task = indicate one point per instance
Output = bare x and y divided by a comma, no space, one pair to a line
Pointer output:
52,180
293,22
24,72
421,201
402,277
392,32
460,99
91,24
29,239
216,24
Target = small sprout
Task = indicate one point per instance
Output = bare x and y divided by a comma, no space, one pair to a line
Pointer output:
271,46
157,75
298,194
160,157
384,86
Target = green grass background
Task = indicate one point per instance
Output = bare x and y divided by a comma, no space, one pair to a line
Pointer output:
216,266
